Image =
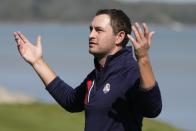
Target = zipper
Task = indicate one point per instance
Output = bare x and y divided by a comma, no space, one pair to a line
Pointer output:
90,91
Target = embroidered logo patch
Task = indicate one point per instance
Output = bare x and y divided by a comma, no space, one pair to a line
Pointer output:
106,88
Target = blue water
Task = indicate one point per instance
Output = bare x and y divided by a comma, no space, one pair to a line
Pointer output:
65,48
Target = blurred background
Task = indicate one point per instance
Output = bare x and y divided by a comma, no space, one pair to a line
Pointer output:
64,27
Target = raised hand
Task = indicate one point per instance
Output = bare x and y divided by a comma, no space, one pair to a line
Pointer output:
141,45
31,53
142,40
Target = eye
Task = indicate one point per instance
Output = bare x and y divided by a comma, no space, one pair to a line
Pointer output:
98,29
90,28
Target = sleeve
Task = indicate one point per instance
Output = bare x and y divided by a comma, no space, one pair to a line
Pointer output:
149,102
69,98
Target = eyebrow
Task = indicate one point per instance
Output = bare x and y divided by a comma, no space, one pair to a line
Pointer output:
96,27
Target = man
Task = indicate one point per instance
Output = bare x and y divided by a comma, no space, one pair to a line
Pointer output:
120,91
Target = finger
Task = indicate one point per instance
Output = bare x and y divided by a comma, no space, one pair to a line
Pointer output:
133,41
20,47
38,43
139,30
18,39
15,34
136,34
146,30
22,51
18,43
150,37
24,39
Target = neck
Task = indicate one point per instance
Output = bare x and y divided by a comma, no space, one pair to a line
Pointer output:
102,61
102,58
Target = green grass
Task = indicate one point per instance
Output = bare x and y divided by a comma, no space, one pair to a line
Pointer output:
51,117
155,125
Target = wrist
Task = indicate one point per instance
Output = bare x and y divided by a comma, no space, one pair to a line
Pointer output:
144,59
38,62
146,87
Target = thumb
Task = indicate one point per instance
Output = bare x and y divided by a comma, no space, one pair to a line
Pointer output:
150,37
38,43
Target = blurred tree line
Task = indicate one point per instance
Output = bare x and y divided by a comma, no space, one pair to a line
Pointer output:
69,11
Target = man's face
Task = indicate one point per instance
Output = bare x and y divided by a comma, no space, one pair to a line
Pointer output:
101,37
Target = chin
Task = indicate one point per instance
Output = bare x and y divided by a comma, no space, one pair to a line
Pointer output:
92,52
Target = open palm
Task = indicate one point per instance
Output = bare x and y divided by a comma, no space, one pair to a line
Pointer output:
142,40
31,53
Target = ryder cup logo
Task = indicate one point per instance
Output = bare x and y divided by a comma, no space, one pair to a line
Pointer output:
106,88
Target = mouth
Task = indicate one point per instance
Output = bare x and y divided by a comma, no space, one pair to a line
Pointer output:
91,43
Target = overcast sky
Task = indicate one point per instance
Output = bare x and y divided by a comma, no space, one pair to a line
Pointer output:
178,1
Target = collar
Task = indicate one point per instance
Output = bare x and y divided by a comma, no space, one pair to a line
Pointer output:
112,59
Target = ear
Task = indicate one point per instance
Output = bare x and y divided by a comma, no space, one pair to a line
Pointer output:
120,37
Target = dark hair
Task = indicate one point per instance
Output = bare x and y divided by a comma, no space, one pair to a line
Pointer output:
119,22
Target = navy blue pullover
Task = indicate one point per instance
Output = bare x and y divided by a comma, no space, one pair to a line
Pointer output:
110,96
